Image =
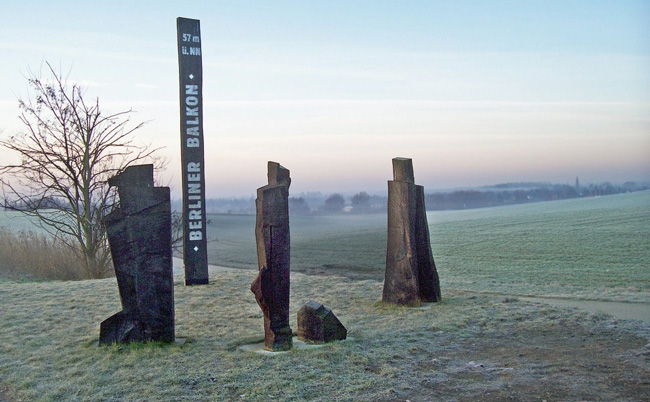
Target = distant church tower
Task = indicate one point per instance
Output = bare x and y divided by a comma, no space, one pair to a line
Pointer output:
577,183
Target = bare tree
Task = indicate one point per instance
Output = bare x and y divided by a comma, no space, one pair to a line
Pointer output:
334,203
177,231
361,202
68,149
298,206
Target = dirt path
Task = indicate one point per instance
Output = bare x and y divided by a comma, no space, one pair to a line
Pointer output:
178,267
622,310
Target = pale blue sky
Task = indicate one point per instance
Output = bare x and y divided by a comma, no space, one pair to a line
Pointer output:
476,92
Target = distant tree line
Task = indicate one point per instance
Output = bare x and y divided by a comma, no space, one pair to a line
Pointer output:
364,203
360,203
467,199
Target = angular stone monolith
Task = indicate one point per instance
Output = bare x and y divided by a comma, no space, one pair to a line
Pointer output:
318,324
411,275
271,287
139,235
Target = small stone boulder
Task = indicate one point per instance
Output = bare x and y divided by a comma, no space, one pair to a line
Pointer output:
318,324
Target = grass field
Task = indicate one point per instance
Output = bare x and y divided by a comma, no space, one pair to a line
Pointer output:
474,345
469,347
586,248
595,248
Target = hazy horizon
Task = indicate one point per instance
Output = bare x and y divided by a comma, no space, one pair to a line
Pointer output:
476,93
320,194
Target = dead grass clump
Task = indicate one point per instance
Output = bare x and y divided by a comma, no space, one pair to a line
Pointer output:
36,256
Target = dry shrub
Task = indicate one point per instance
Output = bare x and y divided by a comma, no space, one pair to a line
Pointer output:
37,256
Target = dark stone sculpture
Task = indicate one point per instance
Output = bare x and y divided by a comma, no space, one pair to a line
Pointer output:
411,275
271,287
139,234
318,324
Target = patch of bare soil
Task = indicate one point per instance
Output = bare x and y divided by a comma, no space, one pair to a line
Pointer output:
5,393
559,365
571,362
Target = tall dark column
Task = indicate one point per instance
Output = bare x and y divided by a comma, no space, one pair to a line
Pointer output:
272,285
139,235
190,68
411,276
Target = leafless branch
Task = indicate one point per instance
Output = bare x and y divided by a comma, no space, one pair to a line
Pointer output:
67,151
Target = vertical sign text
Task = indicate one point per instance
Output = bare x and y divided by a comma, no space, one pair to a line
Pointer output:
195,257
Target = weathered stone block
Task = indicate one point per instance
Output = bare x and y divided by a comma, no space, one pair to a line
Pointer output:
411,276
139,235
403,170
272,285
318,324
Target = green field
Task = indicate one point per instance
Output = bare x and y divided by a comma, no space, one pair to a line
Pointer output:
588,248
593,248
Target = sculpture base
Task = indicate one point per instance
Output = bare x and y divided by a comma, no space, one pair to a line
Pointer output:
282,340
297,344
120,328
192,282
